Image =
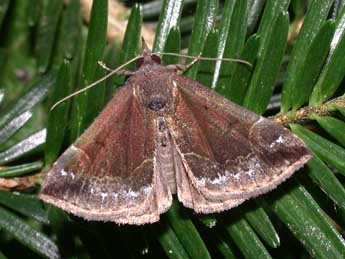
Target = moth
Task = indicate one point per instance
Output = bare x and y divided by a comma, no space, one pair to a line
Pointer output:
164,134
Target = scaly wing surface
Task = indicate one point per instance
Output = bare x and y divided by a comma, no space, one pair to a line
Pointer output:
228,153
108,173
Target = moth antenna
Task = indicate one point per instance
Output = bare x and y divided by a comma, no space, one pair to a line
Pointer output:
196,59
95,83
204,58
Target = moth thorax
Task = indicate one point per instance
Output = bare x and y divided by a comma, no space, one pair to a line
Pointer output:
157,102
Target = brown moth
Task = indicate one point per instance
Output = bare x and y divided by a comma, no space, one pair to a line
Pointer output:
164,134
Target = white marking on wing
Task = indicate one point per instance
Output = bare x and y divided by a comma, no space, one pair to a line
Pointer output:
278,141
221,179
201,181
250,173
103,195
147,189
63,172
237,176
115,195
132,194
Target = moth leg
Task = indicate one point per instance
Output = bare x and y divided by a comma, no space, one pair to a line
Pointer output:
125,72
176,67
180,68
196,59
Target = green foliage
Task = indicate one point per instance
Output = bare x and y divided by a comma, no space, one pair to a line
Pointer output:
46,52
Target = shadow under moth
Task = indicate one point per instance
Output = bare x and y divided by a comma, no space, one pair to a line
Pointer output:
164,134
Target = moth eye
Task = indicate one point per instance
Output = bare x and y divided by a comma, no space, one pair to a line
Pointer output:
156,59
148,59
140,62
157,103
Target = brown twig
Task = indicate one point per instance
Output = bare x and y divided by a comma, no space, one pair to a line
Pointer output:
21,183
307,113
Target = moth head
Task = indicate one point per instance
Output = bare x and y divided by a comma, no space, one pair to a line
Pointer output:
147,57
148,60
